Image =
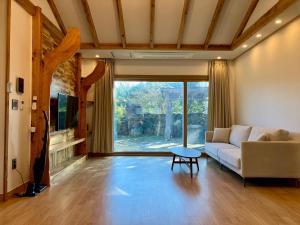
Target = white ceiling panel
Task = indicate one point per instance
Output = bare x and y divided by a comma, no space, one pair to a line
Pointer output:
105,17
230,18
197,22
261,8
167,20
72,14
136,20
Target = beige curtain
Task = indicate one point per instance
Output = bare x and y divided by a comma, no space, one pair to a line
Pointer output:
102,139
218,95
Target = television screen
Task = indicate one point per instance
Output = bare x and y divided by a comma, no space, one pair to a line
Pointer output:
67,112
62,112
72,112
53,113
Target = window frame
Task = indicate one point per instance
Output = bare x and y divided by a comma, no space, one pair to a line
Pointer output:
166,78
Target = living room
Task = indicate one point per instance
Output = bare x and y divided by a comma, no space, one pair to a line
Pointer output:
101,100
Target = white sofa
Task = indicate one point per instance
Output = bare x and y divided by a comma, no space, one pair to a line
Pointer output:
272,158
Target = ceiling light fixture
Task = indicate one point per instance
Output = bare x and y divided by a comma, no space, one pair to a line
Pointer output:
258,35
245,46
219,57
97,56
278,21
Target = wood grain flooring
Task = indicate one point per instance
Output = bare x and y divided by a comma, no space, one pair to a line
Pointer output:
144,191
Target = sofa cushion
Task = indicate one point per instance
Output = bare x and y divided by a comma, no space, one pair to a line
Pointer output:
214,148
232,156
273,134
238,134
221,135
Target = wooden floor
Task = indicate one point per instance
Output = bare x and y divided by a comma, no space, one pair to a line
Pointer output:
143,190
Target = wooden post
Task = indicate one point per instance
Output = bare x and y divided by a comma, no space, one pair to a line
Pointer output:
36,139
85,85
66,49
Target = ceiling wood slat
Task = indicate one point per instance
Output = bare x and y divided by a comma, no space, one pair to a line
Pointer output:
196,47
152,16
182,22
246,18
90,21
57,16
121,22
262,21
213,23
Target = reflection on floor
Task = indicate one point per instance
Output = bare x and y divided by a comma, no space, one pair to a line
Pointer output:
143,190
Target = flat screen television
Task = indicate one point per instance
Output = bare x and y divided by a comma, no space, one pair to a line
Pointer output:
64,112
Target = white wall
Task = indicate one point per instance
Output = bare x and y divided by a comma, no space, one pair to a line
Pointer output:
3,21
267,81
19,120
161,67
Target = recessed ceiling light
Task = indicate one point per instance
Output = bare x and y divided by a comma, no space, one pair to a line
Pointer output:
97,56
258,35
278,21
219,57
245,46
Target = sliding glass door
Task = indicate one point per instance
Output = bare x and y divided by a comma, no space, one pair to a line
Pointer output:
197,104
149,115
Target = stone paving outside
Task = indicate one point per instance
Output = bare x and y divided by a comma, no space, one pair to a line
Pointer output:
148,144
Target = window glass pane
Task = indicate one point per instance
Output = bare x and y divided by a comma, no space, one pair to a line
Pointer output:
197,104
147,115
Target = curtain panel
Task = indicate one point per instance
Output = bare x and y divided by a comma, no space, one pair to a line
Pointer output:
218,95
102,138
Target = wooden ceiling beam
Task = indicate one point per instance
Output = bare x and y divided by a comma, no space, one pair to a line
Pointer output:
182,22
90,21
152,17
57,16
213,23
141,46
270,15
246,18
121,22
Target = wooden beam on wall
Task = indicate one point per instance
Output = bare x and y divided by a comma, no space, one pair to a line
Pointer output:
271,14
142,46
90,21
152,19
121,22
57,16
27,5
55,32
246,18
182,22
7,75
213,23
30,8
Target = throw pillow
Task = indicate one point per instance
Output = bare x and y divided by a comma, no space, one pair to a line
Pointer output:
263,137
239,134
221,135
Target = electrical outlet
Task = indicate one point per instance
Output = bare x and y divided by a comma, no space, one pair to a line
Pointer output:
14,164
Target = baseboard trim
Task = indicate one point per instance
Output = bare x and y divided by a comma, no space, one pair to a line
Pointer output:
19,189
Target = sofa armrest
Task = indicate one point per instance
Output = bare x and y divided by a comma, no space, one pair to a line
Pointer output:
209,136
278,159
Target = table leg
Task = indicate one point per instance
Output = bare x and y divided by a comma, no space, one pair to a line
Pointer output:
173,162
197,164
191,167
